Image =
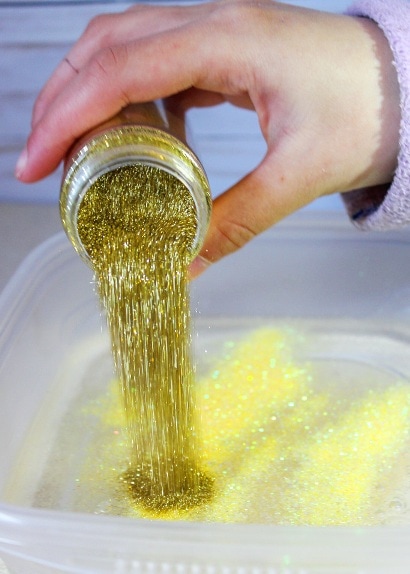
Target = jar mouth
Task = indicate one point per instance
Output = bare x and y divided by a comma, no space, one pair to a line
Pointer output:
125,146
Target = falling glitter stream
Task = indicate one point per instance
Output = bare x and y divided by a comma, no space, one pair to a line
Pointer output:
138,224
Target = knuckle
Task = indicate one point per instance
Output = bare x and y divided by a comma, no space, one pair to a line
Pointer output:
236,14
100,30
137,8
234,235
97,25
108,61
106,71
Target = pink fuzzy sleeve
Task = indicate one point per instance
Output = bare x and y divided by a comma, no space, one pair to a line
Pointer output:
377,208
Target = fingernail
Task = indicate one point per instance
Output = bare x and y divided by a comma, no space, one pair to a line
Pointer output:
21,164
198,266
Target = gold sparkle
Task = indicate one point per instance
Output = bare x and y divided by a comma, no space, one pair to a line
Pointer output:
138,225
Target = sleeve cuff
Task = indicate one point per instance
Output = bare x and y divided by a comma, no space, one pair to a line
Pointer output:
386,207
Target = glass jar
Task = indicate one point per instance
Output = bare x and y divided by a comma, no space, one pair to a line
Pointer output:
141,134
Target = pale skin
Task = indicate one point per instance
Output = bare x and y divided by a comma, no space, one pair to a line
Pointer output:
322,85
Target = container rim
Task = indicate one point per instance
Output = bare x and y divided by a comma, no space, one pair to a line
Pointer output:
205,543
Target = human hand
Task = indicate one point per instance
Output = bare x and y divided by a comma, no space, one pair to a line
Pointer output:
323,87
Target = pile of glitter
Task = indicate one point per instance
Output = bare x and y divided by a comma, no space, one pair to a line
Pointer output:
138,225
284,448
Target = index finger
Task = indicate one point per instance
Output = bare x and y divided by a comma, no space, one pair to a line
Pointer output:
109,30
115,77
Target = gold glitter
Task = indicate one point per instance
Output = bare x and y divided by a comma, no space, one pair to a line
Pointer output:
125,144
138,225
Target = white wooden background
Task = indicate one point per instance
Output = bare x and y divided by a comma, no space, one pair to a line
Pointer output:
35,37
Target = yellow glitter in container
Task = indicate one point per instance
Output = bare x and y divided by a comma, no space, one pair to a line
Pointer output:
343,465
289,453
139,219
284,448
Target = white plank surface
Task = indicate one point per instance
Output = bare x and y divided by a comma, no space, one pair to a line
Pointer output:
33,39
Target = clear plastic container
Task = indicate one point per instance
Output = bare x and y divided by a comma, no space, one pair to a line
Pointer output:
351,294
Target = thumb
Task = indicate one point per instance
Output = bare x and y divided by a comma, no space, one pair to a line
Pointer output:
255,203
